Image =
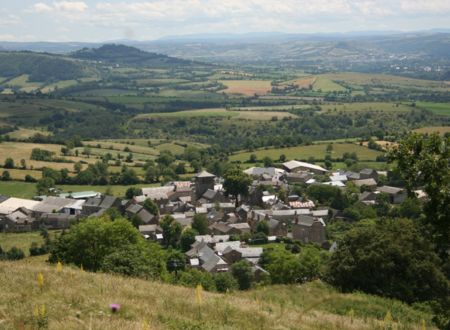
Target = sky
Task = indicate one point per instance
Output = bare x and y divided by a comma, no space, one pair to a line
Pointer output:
106,20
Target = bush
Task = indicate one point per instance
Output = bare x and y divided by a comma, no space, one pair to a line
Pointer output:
36,250
225,282
243,274
14,254
193,277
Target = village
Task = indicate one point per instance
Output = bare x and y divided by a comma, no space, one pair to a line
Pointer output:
271,210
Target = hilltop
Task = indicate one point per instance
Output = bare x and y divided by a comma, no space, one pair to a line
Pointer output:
126,55
74,297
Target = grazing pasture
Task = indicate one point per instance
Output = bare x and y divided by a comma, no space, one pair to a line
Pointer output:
437,108
316,151
430,129
247,87
325,84
366,106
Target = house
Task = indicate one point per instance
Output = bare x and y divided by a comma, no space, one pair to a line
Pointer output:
12,204
220,228
243,212
241,228
264,173
53,204
213,196
80,195
300,177
58,220
97,205
296,166
18,221
396,195
141,212
153,232
203,257
277,228
368,173
308,204
212,239
308,229
369,183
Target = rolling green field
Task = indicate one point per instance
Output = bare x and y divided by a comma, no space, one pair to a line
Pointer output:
317,151
437,108
367,106
20,240
327,85
219,112
28,190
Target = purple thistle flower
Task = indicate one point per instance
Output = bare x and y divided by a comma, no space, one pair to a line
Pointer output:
114,308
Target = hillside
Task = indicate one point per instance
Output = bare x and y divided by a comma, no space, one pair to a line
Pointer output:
125,55
40,67
75,299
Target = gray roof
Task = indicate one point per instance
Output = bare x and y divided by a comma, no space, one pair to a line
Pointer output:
3,198
134,208
210,194
390,190
53,204
367,171
204,174
95,201
145,215
108,202
365,182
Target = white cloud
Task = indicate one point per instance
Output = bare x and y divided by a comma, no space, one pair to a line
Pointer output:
41,7
62,6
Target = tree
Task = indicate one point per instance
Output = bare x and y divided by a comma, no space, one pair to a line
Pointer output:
45,185
262,227
282,158
225,282
252,158
90,241
9,163
132,192
422,161
176,261
14,254
267,161
171,231
200,224
152,174
236,183
389,258
77,167
6,176
151,207
187,239
23,164
242,272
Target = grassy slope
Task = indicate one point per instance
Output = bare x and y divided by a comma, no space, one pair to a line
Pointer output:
318,151
76,300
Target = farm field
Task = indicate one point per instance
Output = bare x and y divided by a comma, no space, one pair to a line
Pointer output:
219,112
430,129
21,240
356,78
316,151
367,106
25,133
247,87
302,83
437,108
28,190
327,85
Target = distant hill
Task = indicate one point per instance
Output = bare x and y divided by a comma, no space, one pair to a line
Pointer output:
126,55
39,66
75,299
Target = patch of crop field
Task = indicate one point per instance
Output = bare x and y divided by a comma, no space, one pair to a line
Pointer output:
115,147
58,85
25,133
214,112
107,92
172,147
18,174
187,93
327,85
20,150
316,151
385,79
22,241
384,144
117,169
368,106
23,83
302,83
273,108
433,129
159,81
219,112
437,108
247,87
98,152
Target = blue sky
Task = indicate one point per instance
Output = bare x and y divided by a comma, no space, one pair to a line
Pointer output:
102,20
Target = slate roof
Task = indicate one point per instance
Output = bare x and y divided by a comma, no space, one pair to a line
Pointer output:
134,208
365,182
390,190
293,164
204,174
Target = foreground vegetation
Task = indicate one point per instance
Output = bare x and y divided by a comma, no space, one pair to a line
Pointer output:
72,298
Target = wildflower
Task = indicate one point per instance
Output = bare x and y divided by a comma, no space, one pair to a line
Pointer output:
81,268
424,325
199,292
114,308
59,267
351,314
40,280
388,318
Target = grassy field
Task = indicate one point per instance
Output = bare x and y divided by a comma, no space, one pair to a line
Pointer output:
430,129
327,85
25,133
437,108
219,112
58,85
302,83
247,87
367,106
318,151
20,240
23,83
28,190
76,299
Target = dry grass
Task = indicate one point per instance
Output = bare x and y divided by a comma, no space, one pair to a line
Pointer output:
247,87
431,129
80,300
25,133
